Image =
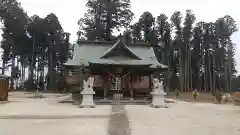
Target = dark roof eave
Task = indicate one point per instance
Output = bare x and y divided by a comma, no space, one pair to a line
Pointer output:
75,66
111,64
162,67
4,76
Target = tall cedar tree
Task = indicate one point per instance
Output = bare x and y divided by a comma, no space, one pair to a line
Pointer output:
103,17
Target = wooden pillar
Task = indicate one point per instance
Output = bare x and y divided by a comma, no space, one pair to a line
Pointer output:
105,86
131,88
150,82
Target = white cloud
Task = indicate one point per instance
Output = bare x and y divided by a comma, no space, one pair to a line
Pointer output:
70,11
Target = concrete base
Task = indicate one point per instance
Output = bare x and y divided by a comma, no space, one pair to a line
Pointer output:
87,106
158,106
87,99
158,99
76,102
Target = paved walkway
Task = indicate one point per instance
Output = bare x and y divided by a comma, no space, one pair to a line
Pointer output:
27,116
118,122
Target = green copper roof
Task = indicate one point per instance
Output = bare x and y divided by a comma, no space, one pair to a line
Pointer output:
115,47
91,52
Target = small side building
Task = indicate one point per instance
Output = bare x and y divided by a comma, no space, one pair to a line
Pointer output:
4,83
117,67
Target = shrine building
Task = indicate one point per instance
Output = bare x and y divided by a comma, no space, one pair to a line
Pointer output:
116,67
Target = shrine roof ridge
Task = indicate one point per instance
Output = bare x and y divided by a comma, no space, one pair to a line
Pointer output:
103,42
94,42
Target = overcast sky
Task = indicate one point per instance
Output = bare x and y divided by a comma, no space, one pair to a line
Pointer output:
69,11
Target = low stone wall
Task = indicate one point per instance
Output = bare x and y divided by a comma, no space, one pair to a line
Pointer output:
236,98
236,102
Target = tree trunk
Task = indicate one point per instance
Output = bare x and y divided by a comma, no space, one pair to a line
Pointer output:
226,78
205,75
214,73
210,72
13,70
181,76
190,71
31,68
18,77
23,74
50,68
168,75
3,67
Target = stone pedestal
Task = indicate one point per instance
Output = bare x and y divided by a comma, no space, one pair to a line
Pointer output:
158,99
87,98
158,94
87,93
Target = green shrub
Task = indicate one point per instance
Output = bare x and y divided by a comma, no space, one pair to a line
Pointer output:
177,93
195,94
218,96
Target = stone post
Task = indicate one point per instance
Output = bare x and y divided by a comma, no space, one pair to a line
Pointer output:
158,95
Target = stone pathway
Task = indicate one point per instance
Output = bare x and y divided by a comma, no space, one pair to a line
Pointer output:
118,122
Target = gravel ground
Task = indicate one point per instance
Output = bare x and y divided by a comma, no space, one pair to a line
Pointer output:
27,116
185,119
54,127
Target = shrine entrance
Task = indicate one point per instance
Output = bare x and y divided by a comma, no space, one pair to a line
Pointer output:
117,83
